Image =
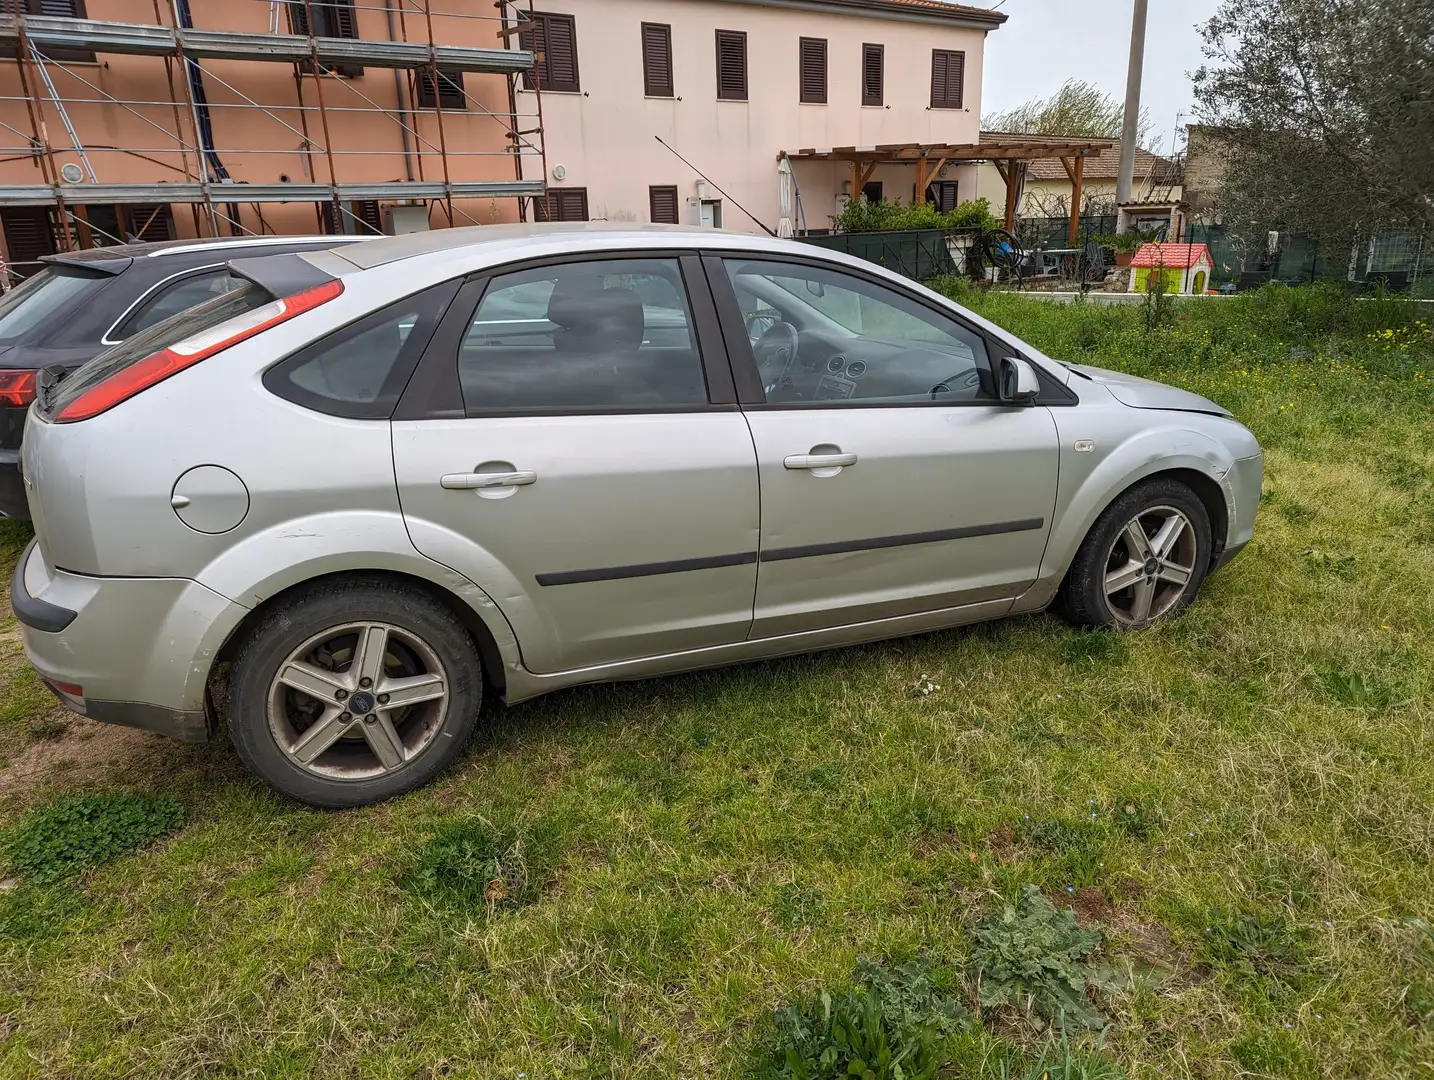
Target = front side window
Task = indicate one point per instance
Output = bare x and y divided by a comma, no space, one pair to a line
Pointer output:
609,335
180,295
823,336
360,371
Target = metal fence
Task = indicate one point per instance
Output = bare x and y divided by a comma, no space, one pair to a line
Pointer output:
919,254
1398,258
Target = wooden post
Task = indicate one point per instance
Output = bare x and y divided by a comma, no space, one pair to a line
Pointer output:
1077,183
1011,174
855,179
919,195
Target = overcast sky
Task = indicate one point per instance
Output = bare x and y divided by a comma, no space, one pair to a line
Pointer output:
1046,42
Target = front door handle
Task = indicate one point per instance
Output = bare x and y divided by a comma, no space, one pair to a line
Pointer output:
818,461
467,481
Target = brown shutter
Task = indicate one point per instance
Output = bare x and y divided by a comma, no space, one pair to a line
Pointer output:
29,234
149,223
731,65
532,37
948,76
450,89
562,58
663,202
656,60
873,74
812,70
569,204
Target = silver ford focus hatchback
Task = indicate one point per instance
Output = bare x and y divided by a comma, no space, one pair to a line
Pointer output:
373,482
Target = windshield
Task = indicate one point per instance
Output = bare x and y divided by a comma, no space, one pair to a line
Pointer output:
160,336
32,305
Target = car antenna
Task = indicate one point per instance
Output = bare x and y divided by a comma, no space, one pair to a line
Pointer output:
729,198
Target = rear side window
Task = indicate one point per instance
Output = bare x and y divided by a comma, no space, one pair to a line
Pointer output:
360,370
160,336
28,310
177,296
583,337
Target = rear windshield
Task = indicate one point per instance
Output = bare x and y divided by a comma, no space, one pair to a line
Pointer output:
159,336
28,311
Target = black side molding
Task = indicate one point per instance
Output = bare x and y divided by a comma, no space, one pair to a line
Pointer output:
36,614
841,547
676,566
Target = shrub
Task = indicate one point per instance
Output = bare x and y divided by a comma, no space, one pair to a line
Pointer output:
889,1026
67,838
858,215
1031,955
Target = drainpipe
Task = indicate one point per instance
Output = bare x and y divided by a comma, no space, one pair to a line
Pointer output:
201,103
402,110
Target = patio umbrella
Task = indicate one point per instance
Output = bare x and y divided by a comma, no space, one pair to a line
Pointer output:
785,183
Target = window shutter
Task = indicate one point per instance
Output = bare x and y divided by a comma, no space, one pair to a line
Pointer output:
62,9
366,210
298,18
663,203
569,204
150,223
731,65
533,38
657,60
873,72
948,76
28,235
450,89
562,59
812,70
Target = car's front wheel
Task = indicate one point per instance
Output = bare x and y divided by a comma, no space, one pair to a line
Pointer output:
1143,560
354,691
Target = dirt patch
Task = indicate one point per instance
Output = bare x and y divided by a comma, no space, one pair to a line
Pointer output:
1003,843
85,752
1091,905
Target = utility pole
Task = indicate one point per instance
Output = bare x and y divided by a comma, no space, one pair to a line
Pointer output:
1125,181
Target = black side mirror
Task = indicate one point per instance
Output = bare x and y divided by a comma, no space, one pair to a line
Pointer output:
1016,381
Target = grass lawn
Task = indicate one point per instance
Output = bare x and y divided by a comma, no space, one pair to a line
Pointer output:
630,881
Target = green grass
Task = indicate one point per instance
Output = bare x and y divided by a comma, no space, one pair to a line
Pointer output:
1243,799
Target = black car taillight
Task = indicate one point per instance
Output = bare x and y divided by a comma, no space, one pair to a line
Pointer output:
17,389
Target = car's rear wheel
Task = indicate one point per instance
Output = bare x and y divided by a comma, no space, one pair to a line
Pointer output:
1143,560
352,692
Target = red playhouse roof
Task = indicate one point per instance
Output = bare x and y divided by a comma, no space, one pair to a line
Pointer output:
1172,256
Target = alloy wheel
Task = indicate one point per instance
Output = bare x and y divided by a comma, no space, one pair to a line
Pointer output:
1149,564
358,701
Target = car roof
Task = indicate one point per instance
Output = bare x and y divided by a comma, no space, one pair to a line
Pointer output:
159,248
499,243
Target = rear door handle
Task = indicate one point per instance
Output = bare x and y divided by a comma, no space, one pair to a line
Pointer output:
467,481
818,461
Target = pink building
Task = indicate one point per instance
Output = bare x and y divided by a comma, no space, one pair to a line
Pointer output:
731,85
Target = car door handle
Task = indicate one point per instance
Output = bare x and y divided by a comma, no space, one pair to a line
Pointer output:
818,461
467,481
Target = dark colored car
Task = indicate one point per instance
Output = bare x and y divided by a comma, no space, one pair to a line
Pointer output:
83,302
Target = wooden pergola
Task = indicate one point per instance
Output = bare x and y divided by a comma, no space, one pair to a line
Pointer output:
1008,152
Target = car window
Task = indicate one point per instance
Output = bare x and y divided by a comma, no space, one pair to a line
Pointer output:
822,335
27,310
361,370
583,336
179,295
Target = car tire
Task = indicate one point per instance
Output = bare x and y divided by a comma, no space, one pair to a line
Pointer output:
354,691
1115,582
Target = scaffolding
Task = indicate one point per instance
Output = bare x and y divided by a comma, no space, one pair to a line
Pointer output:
61,88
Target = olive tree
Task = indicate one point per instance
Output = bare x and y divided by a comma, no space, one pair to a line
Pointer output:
1325,110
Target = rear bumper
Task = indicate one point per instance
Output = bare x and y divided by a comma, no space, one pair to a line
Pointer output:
12,487
129,651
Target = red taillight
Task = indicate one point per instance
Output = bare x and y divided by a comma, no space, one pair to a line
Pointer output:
17,389
159,366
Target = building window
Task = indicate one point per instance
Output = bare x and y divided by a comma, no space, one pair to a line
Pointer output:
943,193
361,217
332,18
731,65
656,59
568,203
812,70
948,76
29,234
553,41
873,74
450,89
662,200
872,191
63,9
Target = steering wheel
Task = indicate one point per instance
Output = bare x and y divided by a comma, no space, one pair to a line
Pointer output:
776,352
